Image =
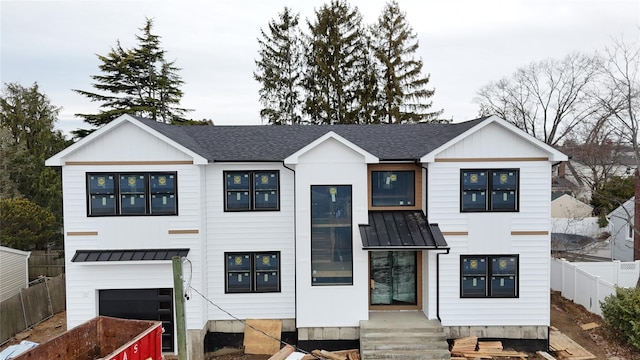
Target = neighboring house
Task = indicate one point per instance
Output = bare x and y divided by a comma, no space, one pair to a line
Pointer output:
318,226
621,219
566,206
14,271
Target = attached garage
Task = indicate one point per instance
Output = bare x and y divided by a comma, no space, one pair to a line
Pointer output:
141,304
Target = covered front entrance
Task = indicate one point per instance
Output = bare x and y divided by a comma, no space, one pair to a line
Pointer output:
395,280
396,240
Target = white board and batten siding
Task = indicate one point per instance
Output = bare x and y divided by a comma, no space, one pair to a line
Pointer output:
249,231
14,271
525,233
115,151
331,163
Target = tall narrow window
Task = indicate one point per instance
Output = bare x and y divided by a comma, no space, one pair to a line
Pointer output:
331,235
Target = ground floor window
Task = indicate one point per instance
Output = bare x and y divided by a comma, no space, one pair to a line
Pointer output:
141,304
331,235
248,272
489,276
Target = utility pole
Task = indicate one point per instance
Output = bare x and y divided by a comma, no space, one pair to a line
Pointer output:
178,296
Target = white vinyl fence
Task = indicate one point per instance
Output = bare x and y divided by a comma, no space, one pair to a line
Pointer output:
588,283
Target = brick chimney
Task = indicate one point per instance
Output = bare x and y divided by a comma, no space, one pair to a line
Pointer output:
562,169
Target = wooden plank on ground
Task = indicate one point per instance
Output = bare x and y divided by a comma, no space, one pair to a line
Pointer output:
589,326
328,355
566,348
283,353
255,342
545,355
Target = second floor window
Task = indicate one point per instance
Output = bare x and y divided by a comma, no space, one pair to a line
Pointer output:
132,193
393,188
489,190
251,190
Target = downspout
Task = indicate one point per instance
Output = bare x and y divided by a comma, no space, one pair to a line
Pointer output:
438,283
295,242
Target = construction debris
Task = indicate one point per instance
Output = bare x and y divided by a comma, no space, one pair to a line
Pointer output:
567,349
471,348
283,353
589,326
353,354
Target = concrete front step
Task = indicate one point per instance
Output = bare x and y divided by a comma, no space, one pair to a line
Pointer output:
406,355
402,336
426,336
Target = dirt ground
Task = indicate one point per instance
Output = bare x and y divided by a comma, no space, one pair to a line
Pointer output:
565,315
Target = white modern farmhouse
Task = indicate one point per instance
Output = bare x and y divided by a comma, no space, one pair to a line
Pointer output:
322,227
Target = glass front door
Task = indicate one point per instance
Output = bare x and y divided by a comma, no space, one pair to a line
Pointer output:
393,276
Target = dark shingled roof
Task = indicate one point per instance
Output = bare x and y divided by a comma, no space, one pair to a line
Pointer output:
277,142
400,230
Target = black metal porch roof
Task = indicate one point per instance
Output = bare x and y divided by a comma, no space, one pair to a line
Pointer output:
127,255
401,230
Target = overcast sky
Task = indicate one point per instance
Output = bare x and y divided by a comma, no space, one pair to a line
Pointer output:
464,44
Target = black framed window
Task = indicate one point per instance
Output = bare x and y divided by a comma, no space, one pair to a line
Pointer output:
132,193
248,272
251,190
393,188
489,190
331,235
491,276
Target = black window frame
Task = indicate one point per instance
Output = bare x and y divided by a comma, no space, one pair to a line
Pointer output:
252,190
375,185
488,275
252,268
337,222
490,188
148,192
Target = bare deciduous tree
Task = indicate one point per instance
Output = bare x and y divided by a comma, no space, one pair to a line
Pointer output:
619,95
548,99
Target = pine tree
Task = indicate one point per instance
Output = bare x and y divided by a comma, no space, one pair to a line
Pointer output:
137,81
404,92
335,57
27,139
279,70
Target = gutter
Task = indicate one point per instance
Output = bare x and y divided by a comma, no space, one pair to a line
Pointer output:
438,283
295,242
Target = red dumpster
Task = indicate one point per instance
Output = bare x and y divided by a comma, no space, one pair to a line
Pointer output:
103,338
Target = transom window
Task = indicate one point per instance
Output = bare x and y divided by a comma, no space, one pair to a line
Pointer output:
393,188
489,190
251,190
331,235
489,276
132,193
248,272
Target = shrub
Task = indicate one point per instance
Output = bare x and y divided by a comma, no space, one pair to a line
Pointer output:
621,312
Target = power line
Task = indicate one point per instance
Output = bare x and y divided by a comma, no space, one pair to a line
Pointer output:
189,287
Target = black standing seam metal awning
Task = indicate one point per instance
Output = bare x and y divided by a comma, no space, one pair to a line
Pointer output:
127,255
401,230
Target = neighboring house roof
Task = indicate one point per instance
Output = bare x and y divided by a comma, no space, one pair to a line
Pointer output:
566,206
26,254
624,211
